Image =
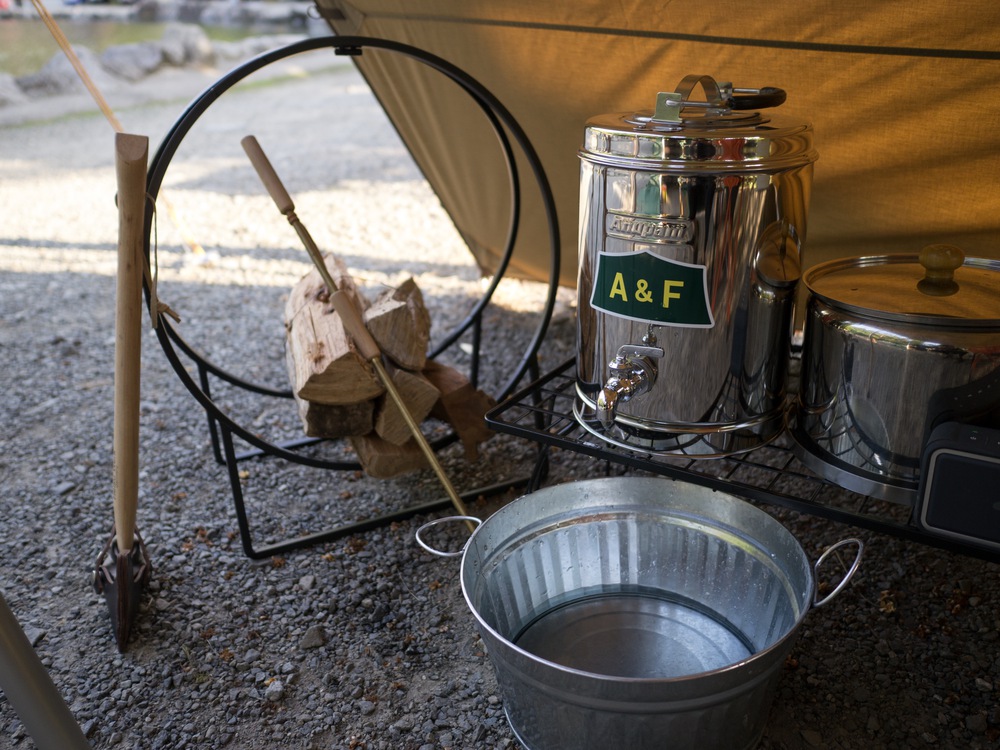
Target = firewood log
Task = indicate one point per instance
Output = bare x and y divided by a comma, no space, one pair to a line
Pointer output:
418,393
324,365
401,326
461,405
383,460
336,420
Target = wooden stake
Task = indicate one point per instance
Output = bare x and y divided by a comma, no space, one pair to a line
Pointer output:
131,152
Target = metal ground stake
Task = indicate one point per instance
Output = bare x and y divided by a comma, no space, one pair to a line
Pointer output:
123,569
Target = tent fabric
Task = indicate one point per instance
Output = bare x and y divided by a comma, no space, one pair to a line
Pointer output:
901,94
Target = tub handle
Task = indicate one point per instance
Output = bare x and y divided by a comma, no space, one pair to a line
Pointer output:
438,522
847,576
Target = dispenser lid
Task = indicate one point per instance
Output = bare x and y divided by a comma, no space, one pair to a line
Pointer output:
721,132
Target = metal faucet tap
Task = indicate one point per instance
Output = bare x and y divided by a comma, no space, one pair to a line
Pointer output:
633,372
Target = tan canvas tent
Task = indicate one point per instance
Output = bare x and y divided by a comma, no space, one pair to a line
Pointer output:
903,97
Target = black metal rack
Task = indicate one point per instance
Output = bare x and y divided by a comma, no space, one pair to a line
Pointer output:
224,428
544,413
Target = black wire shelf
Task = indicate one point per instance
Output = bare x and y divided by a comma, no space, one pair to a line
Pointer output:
543,412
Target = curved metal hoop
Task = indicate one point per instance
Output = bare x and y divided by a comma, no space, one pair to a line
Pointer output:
502,123
419,535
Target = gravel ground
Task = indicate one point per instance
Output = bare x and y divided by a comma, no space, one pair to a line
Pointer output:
363,642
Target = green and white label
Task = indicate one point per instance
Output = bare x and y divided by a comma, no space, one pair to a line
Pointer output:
645,287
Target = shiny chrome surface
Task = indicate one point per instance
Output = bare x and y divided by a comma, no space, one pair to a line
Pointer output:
874,382
633,371
744,143
706,440
585,594
731,203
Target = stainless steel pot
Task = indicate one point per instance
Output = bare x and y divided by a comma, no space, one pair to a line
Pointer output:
692,218
637,612
894,345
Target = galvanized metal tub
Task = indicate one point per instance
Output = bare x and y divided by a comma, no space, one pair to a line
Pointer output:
637,612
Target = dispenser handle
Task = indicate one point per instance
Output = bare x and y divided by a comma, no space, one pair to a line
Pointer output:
762,98
719,97
670,103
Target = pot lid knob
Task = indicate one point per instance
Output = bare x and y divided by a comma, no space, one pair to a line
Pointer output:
940,263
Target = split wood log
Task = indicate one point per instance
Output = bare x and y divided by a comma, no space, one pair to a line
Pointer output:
401,326
384,460
461,405
336,420
324,366
332,420
419,395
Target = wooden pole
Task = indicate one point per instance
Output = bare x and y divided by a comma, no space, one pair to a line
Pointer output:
131,153
276,189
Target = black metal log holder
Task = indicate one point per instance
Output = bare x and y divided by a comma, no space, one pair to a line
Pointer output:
222,427
543,411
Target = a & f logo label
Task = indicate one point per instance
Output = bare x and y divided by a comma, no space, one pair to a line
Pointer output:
645,287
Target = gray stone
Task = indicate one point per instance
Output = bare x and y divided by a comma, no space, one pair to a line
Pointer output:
976,723
186,44
314,637
133,61
33,634
275,691
10,92
58,76
405,723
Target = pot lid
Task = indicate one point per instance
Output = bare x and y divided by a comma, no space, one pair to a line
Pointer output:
939,286
723,131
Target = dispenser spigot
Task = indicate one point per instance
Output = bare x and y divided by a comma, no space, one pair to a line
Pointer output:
633,371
